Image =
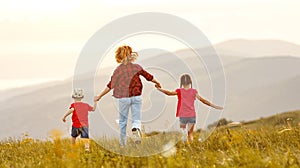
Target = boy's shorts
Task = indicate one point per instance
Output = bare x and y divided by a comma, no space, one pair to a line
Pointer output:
83,131
187,120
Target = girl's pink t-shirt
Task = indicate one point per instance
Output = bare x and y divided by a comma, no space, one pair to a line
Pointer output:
186,99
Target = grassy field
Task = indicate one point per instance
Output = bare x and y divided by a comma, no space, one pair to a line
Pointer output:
239,147
267,142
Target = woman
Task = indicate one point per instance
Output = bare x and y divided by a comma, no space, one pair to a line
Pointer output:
127,88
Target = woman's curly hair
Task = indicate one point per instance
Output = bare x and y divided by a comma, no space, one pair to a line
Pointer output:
125,55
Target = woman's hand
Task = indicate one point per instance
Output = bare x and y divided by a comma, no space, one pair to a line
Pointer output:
218,107
157,85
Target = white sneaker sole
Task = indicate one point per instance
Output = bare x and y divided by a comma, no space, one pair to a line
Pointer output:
136,136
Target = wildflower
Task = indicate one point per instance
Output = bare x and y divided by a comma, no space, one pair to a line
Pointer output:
169,149
56,134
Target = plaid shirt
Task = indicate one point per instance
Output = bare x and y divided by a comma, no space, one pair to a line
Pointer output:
126,81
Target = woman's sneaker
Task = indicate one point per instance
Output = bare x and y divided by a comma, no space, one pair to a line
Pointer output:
136,135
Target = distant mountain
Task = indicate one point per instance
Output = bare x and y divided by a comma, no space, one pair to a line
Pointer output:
264,101
258,48
256,87
14,92
252,73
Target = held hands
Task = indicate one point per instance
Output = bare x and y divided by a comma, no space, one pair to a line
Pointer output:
157,85
97,98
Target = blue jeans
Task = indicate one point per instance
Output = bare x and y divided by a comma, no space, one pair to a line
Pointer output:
135,103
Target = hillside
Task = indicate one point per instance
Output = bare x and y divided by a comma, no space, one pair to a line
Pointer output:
278,122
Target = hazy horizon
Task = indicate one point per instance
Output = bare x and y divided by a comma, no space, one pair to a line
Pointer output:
41,40
15,83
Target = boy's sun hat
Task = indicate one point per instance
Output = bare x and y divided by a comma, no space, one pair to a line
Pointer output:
77,93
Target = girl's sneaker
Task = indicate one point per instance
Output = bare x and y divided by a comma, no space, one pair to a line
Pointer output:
184,135
136,135
190,139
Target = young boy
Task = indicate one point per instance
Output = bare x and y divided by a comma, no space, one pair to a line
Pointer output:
79,111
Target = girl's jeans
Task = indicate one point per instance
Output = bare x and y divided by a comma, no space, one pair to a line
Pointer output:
135,103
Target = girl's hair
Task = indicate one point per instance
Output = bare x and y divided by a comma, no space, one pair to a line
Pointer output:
125,55
185,79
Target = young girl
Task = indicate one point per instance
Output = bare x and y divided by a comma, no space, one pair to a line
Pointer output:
185,107
127,87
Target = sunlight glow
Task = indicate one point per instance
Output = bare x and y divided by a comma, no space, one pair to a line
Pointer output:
39,7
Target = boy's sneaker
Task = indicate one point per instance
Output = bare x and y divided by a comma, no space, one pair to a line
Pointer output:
136,135
87,147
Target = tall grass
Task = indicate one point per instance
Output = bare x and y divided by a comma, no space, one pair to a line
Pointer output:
241,147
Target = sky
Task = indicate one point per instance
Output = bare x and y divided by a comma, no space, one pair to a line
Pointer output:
41,40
